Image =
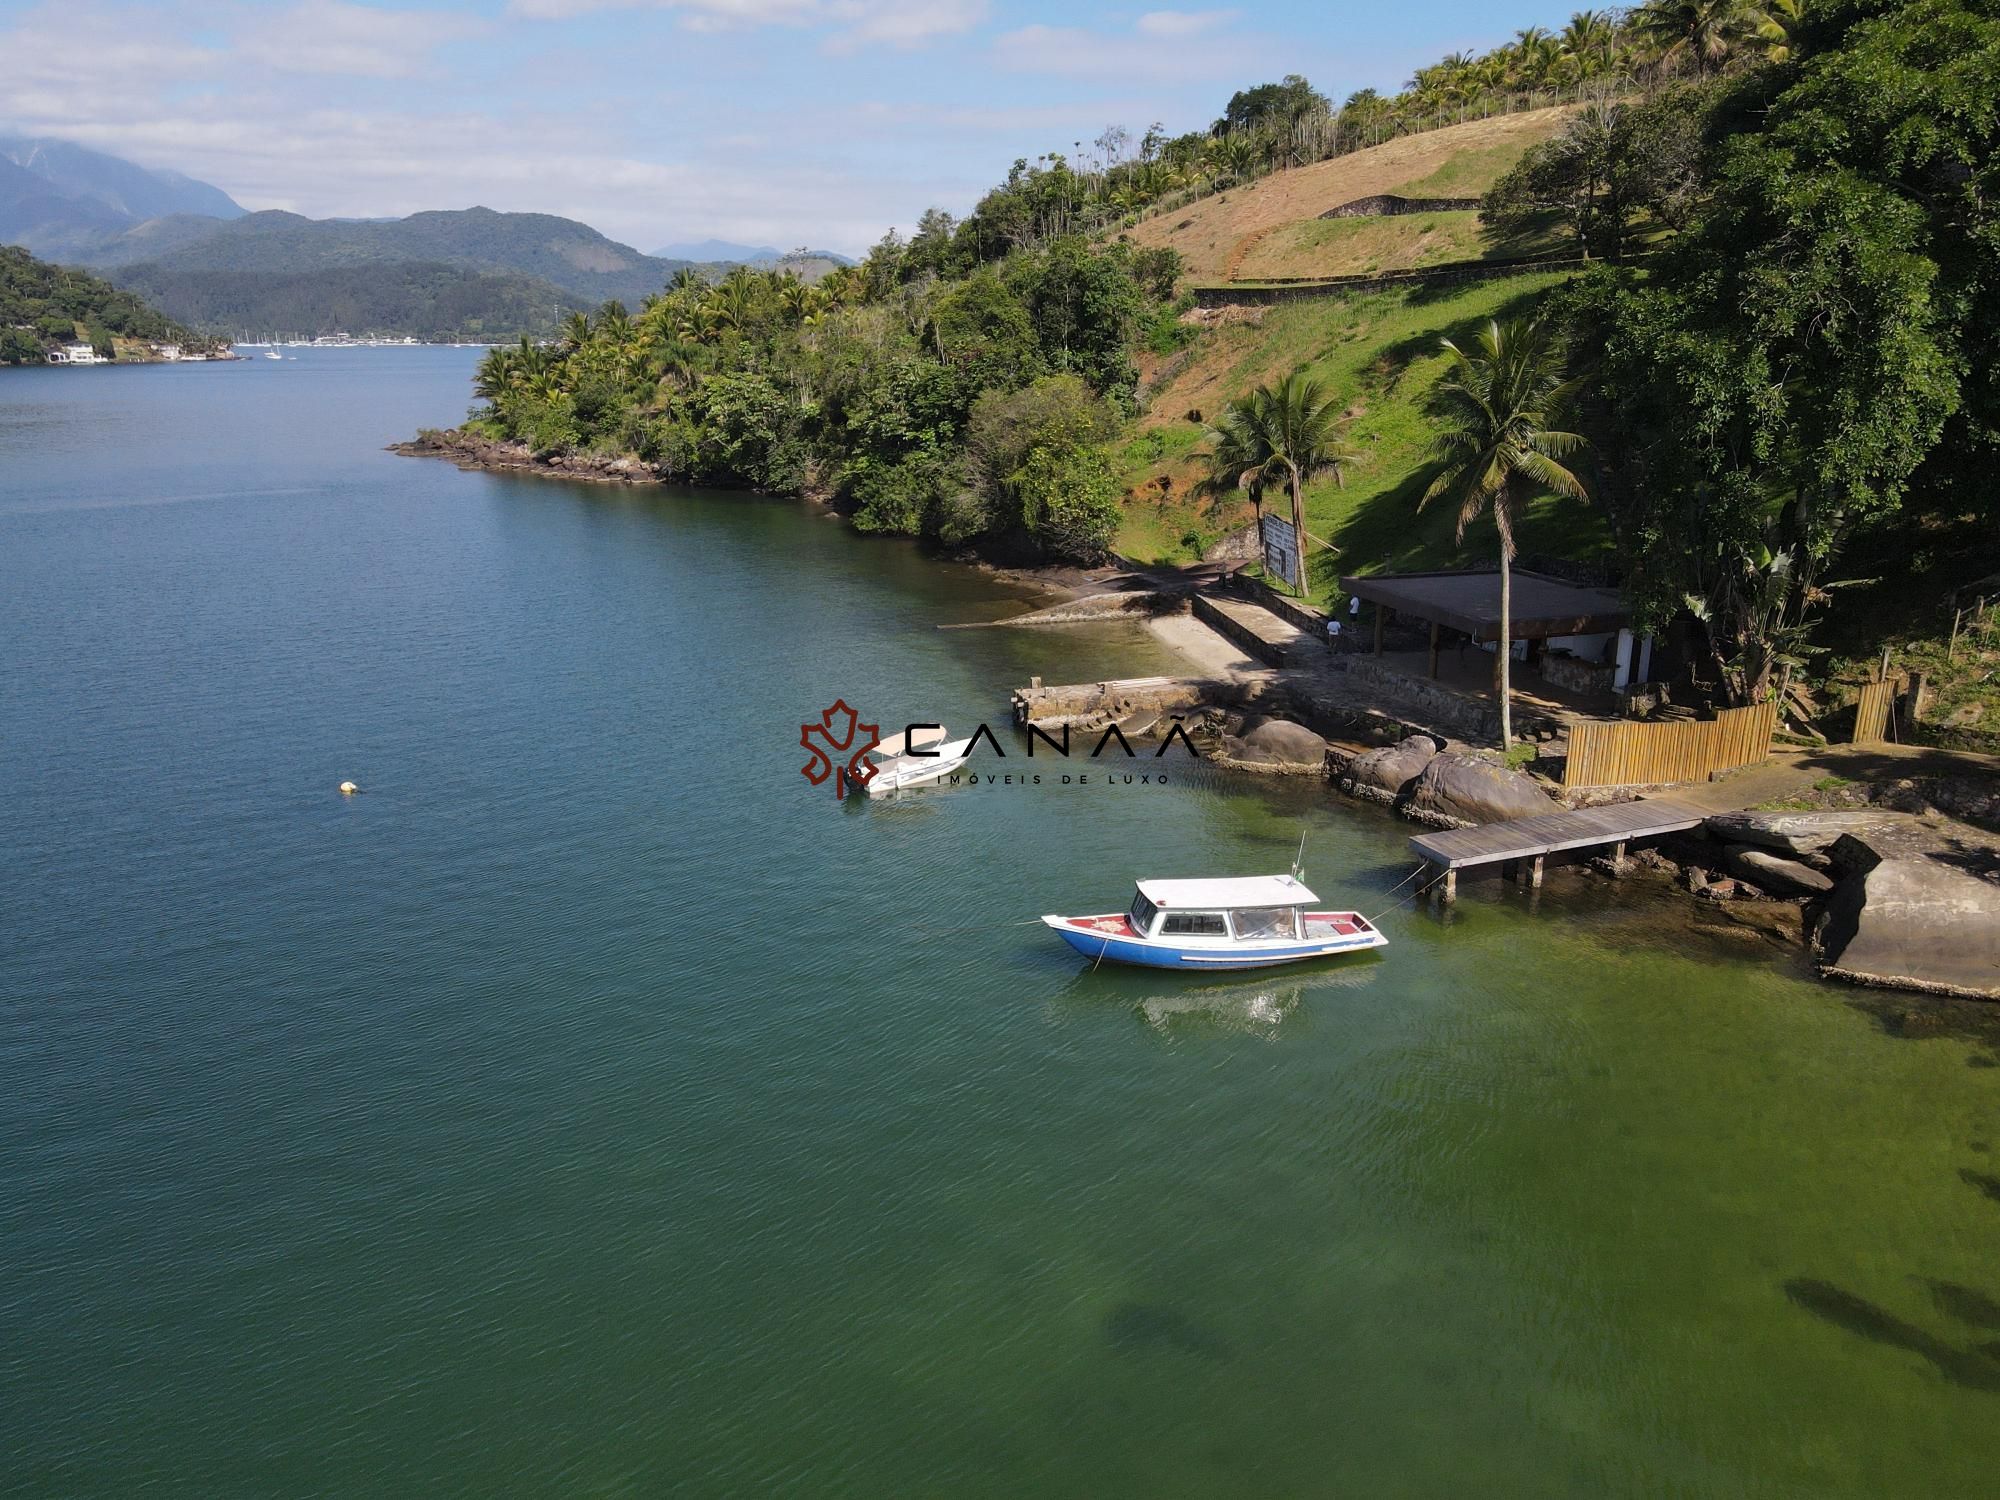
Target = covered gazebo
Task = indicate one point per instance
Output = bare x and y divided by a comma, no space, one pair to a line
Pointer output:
1544,609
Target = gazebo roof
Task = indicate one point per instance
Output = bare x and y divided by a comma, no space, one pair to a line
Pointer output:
1542,606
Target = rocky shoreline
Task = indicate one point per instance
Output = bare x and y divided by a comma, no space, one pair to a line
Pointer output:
491,455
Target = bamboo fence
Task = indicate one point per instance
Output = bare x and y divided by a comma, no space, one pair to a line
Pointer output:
1871,712
1623,753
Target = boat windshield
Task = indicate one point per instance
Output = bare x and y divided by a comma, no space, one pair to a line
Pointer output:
1265,921
1194,924
1142,915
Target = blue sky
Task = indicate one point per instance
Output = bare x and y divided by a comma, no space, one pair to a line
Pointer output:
781,122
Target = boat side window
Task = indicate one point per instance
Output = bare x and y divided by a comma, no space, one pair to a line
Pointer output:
1264,922
1143,912
1195,924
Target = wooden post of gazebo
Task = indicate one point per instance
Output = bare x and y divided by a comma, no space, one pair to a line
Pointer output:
1434,650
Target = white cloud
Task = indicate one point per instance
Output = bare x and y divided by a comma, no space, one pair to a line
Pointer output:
853,23
329,36
904,23
1155,50
880,116
62,57
1182,23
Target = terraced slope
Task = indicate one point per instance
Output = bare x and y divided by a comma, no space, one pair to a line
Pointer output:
1221,238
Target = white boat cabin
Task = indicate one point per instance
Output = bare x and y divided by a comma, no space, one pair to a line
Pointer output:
1251,908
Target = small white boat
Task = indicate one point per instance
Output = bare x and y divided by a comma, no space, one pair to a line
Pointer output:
917,757
1248,923
272,354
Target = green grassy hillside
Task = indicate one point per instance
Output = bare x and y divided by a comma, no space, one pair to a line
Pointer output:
1379,352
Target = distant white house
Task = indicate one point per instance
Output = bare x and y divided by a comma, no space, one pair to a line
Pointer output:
167,351
77,354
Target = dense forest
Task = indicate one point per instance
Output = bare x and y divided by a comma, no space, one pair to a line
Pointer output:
1783,364
425,299
43,306
966,409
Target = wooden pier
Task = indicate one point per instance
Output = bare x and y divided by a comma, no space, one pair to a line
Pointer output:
1448,852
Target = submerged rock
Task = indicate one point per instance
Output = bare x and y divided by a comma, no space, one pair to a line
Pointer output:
1455,790
1776,874
1271,744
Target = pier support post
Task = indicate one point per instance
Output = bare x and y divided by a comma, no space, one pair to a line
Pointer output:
1450,886
1618,858
1535,873
1434,650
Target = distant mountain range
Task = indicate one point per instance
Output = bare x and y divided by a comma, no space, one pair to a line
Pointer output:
570,256
729,253
718,250
61,200
197,255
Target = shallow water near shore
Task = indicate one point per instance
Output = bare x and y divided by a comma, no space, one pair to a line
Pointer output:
592,1105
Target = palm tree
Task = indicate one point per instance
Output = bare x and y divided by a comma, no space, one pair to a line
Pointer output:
1284,434
1588,38
1302,423
496,372
1705,30
614,324
1495,404
1774,26
1238,456
576,331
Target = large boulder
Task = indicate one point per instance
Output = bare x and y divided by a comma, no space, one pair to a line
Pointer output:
1797,835
1918,907
1276,745
1455,790
1775,873
1381,774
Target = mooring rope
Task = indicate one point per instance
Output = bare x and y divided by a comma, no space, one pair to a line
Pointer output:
1422,890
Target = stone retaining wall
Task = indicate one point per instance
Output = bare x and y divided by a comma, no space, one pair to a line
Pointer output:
1091,705
1291,611
1382,205
1278,290
1576,674
1227,626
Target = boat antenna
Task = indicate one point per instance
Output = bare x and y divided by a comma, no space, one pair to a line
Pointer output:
1298,860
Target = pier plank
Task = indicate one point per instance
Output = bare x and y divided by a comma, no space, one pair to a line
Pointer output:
1552,833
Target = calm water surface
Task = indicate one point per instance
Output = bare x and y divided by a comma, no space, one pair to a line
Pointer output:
593,1107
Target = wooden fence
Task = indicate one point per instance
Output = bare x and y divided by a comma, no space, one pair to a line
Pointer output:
1871,712
1603,753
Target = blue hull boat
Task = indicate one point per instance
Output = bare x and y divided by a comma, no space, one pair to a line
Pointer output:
1252,923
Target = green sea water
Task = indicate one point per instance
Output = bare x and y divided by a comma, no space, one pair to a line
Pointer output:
594,1107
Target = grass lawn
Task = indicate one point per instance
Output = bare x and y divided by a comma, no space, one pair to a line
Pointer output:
1378,352
1398,242
1362,247
1471,170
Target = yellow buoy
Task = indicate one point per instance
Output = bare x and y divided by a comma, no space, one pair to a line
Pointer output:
348,789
